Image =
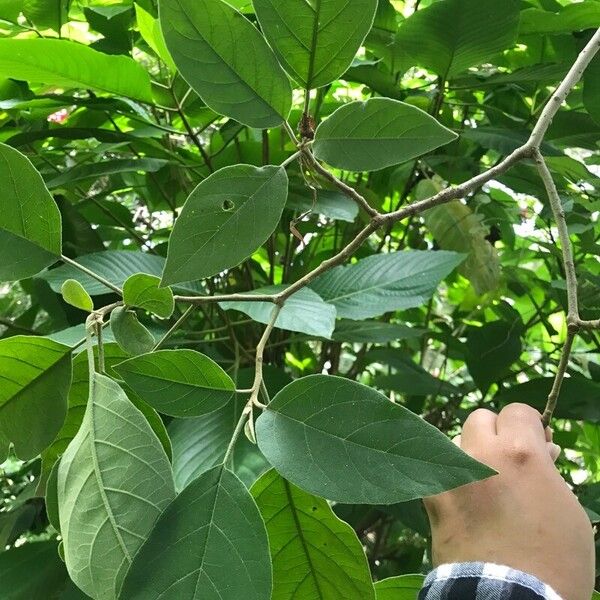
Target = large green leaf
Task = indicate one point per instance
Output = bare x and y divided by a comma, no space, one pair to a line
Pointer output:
143,291
573,17
377,133
305,311
115,266
378,453
459,34
226,61
216,542
385,282
180,383
61,63
456,227
224,220
328,559
315,42
30,228
35,374
114,480
33,571
45,14
403,587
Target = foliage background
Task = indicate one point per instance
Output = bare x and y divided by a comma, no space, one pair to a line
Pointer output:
120,162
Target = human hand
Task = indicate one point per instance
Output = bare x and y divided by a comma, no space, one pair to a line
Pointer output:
526,517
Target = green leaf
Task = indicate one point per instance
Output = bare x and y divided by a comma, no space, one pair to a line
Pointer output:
74,293
114,480
456,227
226,61
77,402
30,228
51,497
377,133
331,204
304,311
35,374
10,9
217,546
115,266
65,64
411,379
573,17
129,333
180,383
150,30
315,42
105,168
382,283
579,396
346,442
33,571
591,89
143,291
45,14
225,219
328,559
479,30
492,349
403,587
373,332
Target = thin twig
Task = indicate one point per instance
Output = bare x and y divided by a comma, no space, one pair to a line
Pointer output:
95,276
175,327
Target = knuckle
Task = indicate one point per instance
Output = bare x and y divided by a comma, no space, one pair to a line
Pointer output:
520,452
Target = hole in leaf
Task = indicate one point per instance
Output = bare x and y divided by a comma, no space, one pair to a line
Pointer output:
227,205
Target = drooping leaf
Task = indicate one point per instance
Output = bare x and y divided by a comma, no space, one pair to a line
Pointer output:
129,333
305,311
33,570
456,227
492,349
217,546
115,266
35,375
30,229
377,133
373,332
180,383
224,220
226,61
403,587
327,557
114,480
74,293
143,291
62,63
315,42
378,453
382,283
479,30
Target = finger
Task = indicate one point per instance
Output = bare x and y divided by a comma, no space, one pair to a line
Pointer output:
521,422
457,440
554,450
479,427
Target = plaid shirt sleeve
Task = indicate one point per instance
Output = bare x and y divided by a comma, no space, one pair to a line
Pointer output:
483,581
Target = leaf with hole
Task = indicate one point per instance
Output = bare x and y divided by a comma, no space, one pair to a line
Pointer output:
377,133
143,291
225,219
217,546
226,61
315,42
114,480
74,293
129,333
385,282
304,311
344,441
30,227
328,558
35,375
180,383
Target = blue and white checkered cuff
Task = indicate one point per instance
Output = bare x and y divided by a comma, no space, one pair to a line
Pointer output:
483,581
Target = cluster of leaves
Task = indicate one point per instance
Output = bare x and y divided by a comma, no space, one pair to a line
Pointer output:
164,186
